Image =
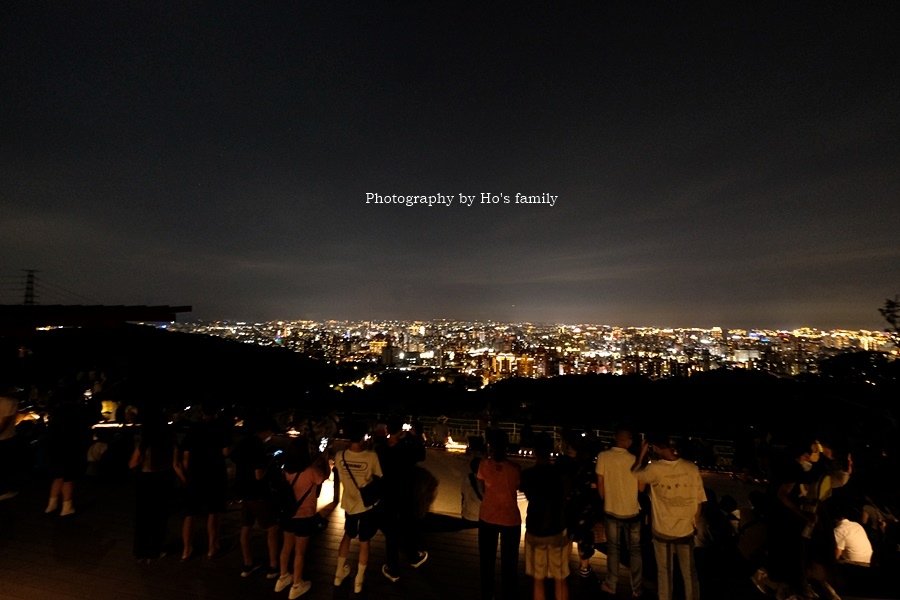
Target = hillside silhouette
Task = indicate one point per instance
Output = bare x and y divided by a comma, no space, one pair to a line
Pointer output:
142,363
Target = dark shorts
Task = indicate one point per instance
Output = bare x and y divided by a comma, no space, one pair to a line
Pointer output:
303,527
363,525
257,512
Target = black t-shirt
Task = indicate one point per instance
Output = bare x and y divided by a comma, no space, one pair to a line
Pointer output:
544,487
398,463
69,430
249,454
581,497
205,442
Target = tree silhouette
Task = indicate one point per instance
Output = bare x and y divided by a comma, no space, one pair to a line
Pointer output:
891,313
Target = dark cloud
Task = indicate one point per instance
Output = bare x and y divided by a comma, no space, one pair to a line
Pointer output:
716,164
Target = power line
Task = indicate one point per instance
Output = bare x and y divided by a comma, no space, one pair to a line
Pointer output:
59,288
30,289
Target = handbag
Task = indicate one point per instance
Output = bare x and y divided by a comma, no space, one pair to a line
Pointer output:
320,522
372,492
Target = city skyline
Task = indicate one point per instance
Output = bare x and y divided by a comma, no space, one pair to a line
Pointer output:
675,166
881,332
490,352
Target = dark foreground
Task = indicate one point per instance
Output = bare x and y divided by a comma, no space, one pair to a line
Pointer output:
88,556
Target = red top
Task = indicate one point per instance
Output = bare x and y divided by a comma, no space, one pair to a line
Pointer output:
501,480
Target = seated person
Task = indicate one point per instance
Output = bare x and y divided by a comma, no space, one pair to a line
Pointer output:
852,545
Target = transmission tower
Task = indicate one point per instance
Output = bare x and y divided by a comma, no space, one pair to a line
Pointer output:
29,286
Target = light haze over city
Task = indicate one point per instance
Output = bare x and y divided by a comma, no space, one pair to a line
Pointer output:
710,165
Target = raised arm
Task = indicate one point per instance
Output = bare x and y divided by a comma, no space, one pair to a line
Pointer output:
641,460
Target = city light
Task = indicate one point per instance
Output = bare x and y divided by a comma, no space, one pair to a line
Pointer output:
490,351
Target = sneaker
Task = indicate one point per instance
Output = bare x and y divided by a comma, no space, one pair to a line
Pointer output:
420,559
340,577
391,577
357,585
67,510
247,570
298,589
830,592
606,589
283,582
783,592
585,572
760,579
272,573
809,592
8,495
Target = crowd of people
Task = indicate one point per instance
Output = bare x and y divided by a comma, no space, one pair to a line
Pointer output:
807,534
810,535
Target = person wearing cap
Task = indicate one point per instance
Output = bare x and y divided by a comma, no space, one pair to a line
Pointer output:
676,495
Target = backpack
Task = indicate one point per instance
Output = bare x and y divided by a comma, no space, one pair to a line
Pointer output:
280,491
286,503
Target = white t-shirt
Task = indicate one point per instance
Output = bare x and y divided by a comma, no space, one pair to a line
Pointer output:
676,491
364,466
852,541
8,408
619,483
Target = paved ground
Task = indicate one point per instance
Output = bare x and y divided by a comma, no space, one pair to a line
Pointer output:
88,555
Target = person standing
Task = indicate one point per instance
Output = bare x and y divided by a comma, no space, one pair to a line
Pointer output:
789,521
676,495
499,518
358,467
582,501
305,474
152,460
68,438
252,456
202,469
547,544
618,487
398,456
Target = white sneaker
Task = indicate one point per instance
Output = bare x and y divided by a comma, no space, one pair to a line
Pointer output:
358,585
761,580
67,509
391,577
340,577
420,559
298,589
283,582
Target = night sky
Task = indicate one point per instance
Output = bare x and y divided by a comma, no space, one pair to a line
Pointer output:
733,164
